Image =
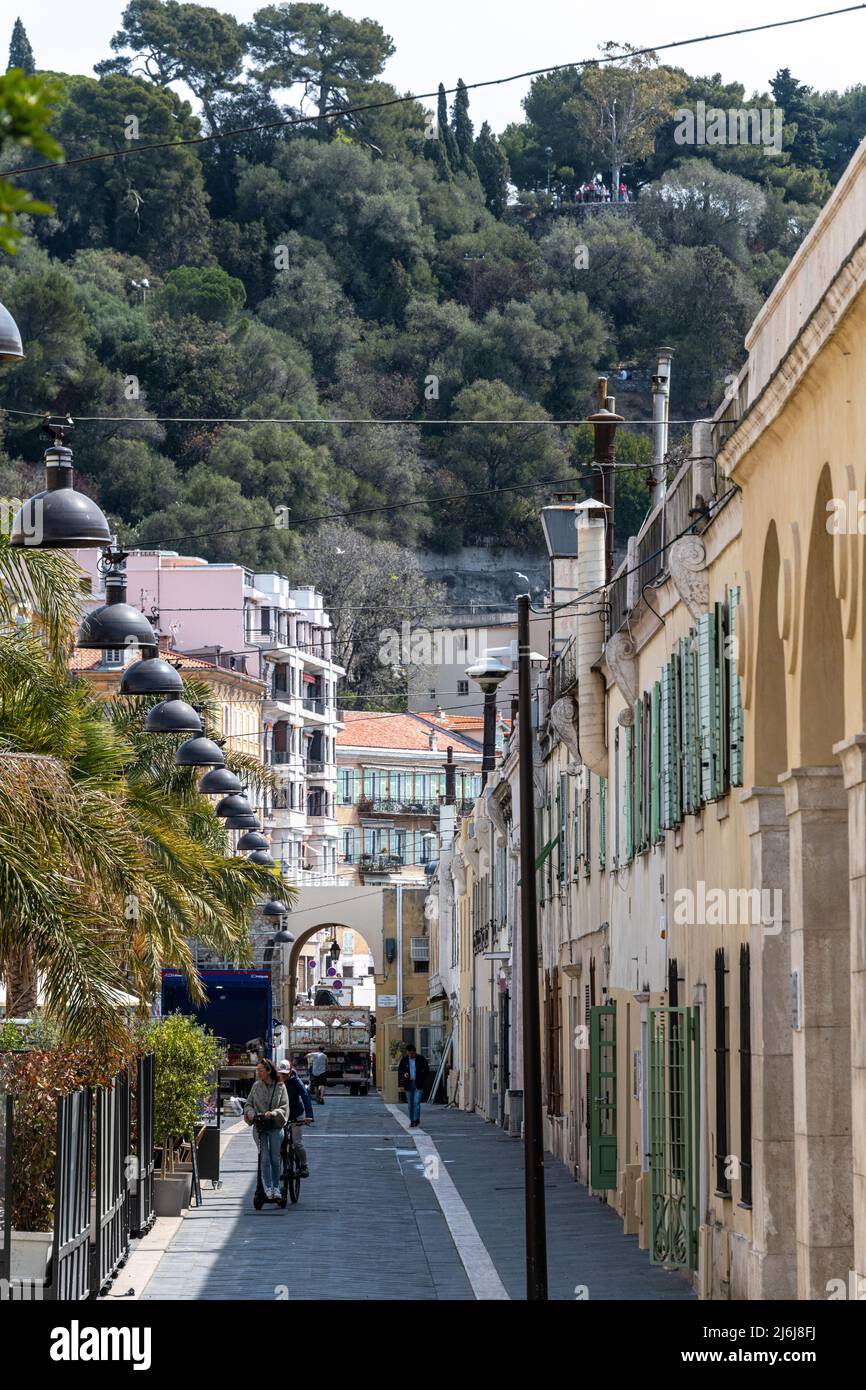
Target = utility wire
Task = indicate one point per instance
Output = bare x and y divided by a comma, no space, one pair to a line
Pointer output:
429,421
423,96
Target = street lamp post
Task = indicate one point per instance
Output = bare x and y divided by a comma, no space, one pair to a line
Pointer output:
488,673
536,1233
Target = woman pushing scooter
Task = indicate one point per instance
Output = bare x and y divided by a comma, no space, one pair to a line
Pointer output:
267,1108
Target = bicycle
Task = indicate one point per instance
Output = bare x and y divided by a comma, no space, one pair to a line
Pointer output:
290,1173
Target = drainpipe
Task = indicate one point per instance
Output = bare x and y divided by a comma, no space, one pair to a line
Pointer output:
661,412
399,948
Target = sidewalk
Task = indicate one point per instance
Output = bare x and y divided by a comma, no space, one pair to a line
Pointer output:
384,1217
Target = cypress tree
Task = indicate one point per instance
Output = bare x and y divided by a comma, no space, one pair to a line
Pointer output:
20,51
464,135
493,170
448,145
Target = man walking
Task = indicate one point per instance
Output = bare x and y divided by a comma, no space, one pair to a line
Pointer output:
412,1075
318,1063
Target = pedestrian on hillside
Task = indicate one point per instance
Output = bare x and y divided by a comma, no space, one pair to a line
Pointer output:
300,1110
412,1075
318,1063
267,1109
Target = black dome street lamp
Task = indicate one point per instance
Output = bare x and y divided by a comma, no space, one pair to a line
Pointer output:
199,752
218,781
11,348
116,623
172,716
234,805
253,839
153,676
284,937
274,908
59,517
245,821
262,857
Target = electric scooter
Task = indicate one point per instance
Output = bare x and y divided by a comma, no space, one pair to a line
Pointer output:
260,1200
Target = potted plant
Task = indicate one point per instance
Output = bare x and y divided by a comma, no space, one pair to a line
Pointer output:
185,1056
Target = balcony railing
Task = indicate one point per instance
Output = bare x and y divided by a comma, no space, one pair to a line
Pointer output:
379,863
282,757
565,669
314,768
391,806
314,703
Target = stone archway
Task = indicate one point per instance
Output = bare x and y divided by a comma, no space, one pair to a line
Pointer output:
817,809
773,1272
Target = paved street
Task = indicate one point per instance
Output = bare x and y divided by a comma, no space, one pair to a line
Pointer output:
370,1225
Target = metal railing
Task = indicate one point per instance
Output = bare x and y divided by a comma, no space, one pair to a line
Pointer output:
71,1266
670,519
314,703
141,1213
397,806
111,1214
565,669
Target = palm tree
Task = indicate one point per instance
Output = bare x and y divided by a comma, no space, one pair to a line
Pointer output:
110,859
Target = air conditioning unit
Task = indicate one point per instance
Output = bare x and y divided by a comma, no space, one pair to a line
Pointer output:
419,948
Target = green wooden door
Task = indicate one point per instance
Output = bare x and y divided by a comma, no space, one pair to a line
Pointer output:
674,1116
602,1089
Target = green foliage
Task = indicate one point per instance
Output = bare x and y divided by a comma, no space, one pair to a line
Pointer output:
208,293
26,103
185,1055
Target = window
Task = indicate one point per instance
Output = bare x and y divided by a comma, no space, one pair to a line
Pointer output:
462,687
745,1079
266,621
602,821
723,1182
113,656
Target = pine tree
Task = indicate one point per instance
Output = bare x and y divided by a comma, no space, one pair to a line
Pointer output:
464,135
493,171
20,52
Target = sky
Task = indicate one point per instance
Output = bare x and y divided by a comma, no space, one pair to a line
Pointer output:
441,40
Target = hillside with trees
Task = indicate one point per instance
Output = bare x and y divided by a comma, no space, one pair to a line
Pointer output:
373,265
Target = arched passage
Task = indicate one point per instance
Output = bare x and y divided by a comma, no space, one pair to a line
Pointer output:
817,808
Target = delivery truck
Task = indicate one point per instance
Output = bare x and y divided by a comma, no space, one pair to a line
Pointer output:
237,1008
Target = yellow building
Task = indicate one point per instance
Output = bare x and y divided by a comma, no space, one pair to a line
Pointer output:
700,802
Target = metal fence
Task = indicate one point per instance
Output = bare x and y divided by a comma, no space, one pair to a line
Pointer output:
103,1184
5,1187
71,1264
141,1215
113,1172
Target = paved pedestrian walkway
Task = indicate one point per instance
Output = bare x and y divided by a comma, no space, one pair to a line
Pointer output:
377,1220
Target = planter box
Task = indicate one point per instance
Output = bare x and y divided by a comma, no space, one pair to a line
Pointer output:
31,1251
170,1195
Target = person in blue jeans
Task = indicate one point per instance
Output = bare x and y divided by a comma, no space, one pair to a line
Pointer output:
268,1102
412,1075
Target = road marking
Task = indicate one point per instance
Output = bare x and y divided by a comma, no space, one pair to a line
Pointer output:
480,1269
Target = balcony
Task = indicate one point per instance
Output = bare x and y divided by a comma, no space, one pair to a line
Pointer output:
314,704
384,806
378,865
318,770
565,669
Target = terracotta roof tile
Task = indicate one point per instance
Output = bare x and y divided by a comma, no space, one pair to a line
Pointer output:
380,729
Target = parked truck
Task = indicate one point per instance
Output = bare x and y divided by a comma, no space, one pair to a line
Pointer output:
344,1034
237,1008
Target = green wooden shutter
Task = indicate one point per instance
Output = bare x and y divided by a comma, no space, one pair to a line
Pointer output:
602,1090
655,762
629,837
575,837
587,826
720,722
602,821
668,765
552,838
563,827
735,694
637,777
710,705
690,732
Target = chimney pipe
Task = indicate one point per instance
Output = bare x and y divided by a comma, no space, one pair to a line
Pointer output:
450,778
661,412
605,422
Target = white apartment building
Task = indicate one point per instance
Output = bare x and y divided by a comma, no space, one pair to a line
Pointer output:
300,723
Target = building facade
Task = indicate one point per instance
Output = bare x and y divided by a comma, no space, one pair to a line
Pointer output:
390,786
700,801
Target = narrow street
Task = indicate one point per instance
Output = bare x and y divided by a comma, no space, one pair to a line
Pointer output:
371,1224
